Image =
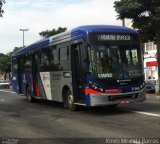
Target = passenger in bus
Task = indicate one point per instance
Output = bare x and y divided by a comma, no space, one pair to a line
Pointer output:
105,63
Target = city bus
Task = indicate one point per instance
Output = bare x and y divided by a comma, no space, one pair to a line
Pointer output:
92,65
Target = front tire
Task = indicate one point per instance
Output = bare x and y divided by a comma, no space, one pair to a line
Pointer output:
71,104
68,101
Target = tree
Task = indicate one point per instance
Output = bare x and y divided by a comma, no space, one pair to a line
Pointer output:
5,62
1,4
14,50
1,55
5,65
48,33
145,16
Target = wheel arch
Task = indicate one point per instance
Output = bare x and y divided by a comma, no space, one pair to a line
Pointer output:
65,89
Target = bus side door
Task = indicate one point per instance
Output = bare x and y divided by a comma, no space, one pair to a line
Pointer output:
20,79
15,81
78,70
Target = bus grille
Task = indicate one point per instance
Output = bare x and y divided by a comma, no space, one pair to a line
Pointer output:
118,97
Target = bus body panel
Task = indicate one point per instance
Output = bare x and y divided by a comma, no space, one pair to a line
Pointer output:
58,81
46,82
49,85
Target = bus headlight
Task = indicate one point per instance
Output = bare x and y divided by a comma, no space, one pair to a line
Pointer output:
96,87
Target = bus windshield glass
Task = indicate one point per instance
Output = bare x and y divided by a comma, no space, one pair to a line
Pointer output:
115,61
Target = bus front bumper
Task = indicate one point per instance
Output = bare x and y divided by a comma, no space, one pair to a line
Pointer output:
123,98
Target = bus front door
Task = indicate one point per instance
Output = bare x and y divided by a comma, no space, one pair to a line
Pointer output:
77,72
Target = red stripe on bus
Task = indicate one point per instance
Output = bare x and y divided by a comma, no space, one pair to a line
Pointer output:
109,91
91,91
37,90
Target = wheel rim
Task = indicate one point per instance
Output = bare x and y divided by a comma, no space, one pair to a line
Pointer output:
70,100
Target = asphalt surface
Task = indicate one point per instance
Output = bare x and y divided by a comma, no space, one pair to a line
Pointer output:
48,122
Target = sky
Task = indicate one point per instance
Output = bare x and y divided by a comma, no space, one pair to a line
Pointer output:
40,15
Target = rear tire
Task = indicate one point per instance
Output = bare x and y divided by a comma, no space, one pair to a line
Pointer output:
29,97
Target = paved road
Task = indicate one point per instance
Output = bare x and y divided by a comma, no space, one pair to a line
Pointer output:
21,119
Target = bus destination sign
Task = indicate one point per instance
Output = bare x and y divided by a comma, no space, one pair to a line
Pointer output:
113,37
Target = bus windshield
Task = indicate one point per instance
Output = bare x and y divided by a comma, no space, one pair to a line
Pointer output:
115,61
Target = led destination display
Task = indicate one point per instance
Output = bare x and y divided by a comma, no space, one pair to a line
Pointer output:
108,38
113,37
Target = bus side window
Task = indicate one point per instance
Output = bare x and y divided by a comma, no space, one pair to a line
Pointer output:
28,63
45,60
63,54
21,64
55,58
36,61
15,65
64,58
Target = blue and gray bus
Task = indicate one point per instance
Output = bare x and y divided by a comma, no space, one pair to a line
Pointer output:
94,65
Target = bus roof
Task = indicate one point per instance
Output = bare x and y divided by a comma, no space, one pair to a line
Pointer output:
82,30
104,28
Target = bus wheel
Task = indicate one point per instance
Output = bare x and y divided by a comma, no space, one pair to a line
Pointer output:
29,97
71,104
68,101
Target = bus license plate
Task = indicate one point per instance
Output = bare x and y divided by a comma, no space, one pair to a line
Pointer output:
124,102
